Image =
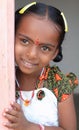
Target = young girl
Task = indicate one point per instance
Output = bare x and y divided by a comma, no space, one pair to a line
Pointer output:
44,93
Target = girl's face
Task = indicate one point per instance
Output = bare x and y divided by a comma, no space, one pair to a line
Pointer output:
36,43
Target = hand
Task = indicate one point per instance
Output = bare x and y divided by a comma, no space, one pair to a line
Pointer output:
15,117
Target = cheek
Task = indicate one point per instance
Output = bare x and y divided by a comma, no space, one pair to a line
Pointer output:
45,60
17,51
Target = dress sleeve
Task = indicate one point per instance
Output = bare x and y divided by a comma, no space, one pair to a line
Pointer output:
60,84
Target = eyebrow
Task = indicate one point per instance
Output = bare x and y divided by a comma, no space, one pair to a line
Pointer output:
25,37
46,44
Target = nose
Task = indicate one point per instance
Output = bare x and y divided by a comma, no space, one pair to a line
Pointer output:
32,52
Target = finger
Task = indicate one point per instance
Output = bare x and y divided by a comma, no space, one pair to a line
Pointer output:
10,118
10,125
10,111
16,106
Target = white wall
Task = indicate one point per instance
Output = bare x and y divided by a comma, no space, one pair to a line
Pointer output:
70,62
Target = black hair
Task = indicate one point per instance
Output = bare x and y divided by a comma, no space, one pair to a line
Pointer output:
52,13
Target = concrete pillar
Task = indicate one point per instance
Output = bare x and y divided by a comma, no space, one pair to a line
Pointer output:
7,74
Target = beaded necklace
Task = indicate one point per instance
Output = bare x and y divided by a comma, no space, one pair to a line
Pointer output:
26,101
40,94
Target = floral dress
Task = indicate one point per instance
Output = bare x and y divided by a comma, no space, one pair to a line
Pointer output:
57,87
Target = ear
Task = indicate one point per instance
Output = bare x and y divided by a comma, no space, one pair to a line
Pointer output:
55,54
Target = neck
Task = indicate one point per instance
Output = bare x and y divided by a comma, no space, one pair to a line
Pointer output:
27,82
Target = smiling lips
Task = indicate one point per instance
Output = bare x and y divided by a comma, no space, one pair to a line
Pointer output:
28,64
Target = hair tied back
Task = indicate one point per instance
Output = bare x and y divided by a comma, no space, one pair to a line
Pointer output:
26,7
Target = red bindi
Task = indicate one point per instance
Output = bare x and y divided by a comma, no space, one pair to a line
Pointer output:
37,41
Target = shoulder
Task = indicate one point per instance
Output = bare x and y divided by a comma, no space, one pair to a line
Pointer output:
60,84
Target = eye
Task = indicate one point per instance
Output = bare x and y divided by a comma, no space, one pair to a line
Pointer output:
24,41
45,48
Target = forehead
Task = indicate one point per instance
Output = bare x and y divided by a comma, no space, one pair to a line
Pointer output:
39,27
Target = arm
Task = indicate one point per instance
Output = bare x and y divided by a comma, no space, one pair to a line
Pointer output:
67,117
